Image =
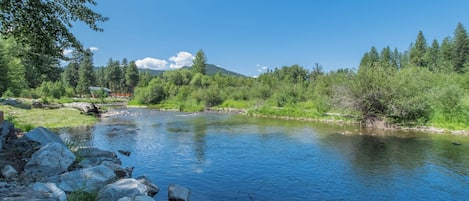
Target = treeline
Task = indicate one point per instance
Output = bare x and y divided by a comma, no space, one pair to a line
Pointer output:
19,80
425,85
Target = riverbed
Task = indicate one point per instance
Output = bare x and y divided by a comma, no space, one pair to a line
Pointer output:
236,157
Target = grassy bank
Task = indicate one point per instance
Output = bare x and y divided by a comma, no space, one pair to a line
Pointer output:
26,119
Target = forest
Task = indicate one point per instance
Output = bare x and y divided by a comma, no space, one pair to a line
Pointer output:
427,84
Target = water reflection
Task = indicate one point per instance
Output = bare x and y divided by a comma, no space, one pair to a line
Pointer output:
229,157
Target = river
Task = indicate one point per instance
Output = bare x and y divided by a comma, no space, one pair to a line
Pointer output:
236,157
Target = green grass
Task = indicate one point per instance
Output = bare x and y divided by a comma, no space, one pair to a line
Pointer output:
82,196
27,119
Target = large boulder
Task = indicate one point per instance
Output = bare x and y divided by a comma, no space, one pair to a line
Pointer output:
178,193
86,108
87,179
50,190
123,188
6,129
153,189
93,156
44,136
52,159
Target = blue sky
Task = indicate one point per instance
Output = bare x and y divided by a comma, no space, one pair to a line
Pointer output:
247,36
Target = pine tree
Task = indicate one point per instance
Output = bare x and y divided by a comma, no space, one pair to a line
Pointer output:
431,56
131,76
199,63
417,52
460,48
445,56
86,74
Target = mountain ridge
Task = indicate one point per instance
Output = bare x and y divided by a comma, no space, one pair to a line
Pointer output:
211,69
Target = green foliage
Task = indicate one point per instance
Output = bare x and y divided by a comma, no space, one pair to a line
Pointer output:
82,196
199,63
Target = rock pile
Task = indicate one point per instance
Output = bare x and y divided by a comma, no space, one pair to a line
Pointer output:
40,166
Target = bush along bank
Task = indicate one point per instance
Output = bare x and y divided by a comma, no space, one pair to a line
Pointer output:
39,165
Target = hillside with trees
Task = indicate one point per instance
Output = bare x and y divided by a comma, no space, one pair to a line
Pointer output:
426,84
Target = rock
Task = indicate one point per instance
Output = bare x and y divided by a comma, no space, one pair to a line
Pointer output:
153,189
36,104
50,190
86,108
123,188
52,159
124,152
178,193
44,136
95,152
26,194
124,172
88,179
8,171
93,156
137,198
6,129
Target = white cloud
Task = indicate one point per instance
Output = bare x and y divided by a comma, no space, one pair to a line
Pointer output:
261,69
94,49
181,59
67,52
152,63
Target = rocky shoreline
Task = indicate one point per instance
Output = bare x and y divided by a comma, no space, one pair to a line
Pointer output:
39,165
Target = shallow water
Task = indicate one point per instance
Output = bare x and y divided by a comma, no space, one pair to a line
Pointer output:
234,157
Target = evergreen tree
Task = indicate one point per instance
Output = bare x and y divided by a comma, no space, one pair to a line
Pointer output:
431,56
198,65
131,76
460,48
417,52
445,58
86,74
114,75
385,57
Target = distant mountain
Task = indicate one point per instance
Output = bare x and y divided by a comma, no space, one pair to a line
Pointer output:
210,68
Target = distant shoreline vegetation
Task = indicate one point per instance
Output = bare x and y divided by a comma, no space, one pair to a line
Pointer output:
426,85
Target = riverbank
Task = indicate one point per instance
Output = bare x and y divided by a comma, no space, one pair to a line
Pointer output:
39,165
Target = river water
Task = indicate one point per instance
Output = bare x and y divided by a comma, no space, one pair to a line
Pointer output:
235,157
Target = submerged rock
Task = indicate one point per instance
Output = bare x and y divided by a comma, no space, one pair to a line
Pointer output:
178,193
137,198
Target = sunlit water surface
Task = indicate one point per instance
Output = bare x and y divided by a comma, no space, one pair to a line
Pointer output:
235,157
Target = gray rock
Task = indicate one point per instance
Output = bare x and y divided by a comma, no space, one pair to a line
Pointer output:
52,159
44,136
123,188
124,172
36,104
88,179
93,156
95,152
137,198
9,171
50,190
6,129
178,193
153,189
